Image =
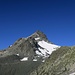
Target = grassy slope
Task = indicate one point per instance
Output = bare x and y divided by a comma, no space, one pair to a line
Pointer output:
61,62
18,68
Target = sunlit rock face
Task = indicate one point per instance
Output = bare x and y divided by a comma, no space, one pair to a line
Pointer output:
35,46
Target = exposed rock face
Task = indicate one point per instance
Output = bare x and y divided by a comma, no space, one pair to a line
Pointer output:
41,35
24,46
42,57
29,47
26,54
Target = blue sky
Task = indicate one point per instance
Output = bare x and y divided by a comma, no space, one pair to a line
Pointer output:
21,18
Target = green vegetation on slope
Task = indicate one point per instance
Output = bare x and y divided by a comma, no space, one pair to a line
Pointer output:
61,62
18,68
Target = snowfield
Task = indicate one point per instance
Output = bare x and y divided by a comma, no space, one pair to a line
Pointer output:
46,48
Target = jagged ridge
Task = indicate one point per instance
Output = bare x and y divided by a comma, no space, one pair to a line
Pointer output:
33,47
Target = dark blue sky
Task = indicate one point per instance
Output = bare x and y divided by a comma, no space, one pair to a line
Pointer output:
21,18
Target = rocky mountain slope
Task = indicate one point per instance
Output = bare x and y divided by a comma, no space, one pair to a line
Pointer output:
36,55
26,54
34,47
60,62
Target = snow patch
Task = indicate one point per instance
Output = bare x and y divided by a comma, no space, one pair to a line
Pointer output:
10,45
24,59
72,73
38,56
43,60
37,38
34,59
39,53
43,51
17,54
46,49
48,46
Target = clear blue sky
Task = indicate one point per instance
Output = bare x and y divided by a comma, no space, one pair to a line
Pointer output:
21,18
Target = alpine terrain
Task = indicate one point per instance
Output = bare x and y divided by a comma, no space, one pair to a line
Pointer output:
36,55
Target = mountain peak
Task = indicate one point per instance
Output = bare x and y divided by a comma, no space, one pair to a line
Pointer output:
39,34
31,47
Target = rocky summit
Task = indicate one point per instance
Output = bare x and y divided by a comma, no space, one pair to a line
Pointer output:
36,55
35,47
